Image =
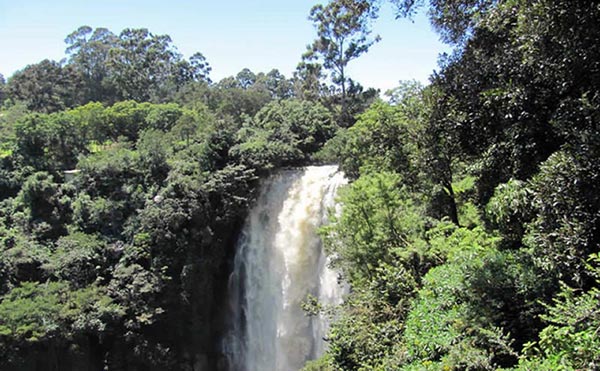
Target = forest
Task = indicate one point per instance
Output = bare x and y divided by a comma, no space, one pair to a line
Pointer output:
469,232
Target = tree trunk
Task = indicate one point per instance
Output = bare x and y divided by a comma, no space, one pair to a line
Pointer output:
452,202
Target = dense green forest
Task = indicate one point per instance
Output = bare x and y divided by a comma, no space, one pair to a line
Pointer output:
469,232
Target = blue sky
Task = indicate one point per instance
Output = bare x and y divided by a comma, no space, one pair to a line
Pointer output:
232,34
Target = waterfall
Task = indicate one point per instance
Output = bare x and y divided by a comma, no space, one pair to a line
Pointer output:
279,261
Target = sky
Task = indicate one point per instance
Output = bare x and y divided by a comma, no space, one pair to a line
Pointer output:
231,34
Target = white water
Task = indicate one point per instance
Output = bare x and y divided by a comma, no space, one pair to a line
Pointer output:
278,263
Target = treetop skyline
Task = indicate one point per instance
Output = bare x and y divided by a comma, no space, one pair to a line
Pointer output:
232,36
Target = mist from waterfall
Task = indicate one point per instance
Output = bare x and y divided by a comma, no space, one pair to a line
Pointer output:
278,263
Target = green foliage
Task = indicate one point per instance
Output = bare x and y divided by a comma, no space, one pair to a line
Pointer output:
401,137
42,206
378,141
105,173
382,327
258,148
276,83
311,124
49,142
2,88
99,215
88,54
230,98
154,150
31,314
379,217
22,259
438,329
509,210
144,66
566,205
499,103
321,364
570,341
136,289
52,314
127,119
104,67
461,318
56,141
387,136
191,123
46,86
284,132
79,258
364,334
8,116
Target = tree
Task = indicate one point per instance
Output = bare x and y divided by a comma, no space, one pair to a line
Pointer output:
199,68
343,34
88,52
44,205
380,223
2,89
307,81
46,86
40,322
135,65
80,259
439,154
110,187
516,105
196,69
284,132
50,142
143,64
570,341
454,20
9,116
246,78
378,141
276,83
238,97
563,232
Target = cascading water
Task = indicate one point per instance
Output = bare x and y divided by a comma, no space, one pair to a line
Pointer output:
279,262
